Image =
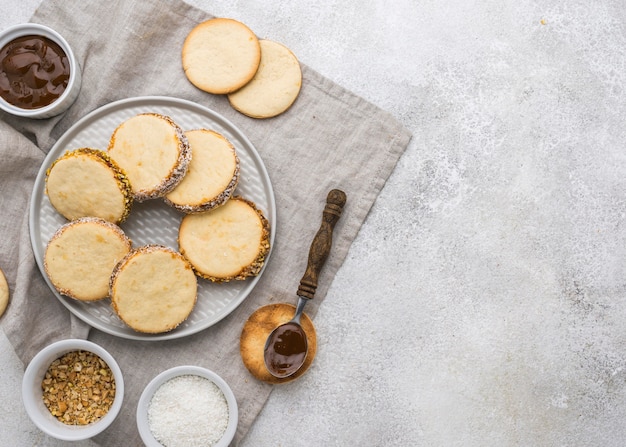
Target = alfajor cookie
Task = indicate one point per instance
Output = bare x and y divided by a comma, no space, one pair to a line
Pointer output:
4,293
227,243
274,87
153,289
154,153
212,176
87,182
220,55
81,255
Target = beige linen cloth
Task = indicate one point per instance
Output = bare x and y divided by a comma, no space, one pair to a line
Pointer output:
330,138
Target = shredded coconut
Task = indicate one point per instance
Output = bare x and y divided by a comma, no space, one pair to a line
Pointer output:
188,411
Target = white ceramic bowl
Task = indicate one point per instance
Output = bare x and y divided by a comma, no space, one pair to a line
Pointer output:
70,94
32,392
144,403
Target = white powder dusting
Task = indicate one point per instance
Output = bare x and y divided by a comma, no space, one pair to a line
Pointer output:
188,411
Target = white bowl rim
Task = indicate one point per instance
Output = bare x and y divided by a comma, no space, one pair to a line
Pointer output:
184,370
47,423
25,29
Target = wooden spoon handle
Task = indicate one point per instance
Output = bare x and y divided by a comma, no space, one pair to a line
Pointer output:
320,247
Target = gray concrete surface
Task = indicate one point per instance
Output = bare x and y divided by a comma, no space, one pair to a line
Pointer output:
483,303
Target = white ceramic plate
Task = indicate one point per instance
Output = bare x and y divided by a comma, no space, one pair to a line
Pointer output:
153,221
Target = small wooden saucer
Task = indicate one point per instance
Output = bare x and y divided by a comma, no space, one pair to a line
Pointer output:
255,332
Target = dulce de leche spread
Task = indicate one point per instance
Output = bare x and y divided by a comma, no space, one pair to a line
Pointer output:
34,72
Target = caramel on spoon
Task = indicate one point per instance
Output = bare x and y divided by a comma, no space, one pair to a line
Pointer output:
286,347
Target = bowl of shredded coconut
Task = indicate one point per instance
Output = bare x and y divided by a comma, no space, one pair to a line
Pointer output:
187,406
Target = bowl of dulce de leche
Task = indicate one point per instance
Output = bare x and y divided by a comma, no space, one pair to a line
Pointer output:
39,75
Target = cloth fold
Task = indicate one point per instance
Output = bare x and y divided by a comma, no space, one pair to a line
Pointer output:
330,138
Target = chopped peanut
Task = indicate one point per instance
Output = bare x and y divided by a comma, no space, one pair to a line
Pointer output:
78,388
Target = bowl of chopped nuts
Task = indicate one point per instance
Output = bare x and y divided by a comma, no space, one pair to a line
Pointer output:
73,389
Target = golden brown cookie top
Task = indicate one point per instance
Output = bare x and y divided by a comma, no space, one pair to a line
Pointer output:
4,293
274,87
153,289
220,55
230,242
86,182
154,153
213,173
81,255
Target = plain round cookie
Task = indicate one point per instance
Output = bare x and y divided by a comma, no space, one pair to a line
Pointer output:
154,153
227,243
4,293
212,176
86,182
220,55
274,87
255,332
81,256
153,289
